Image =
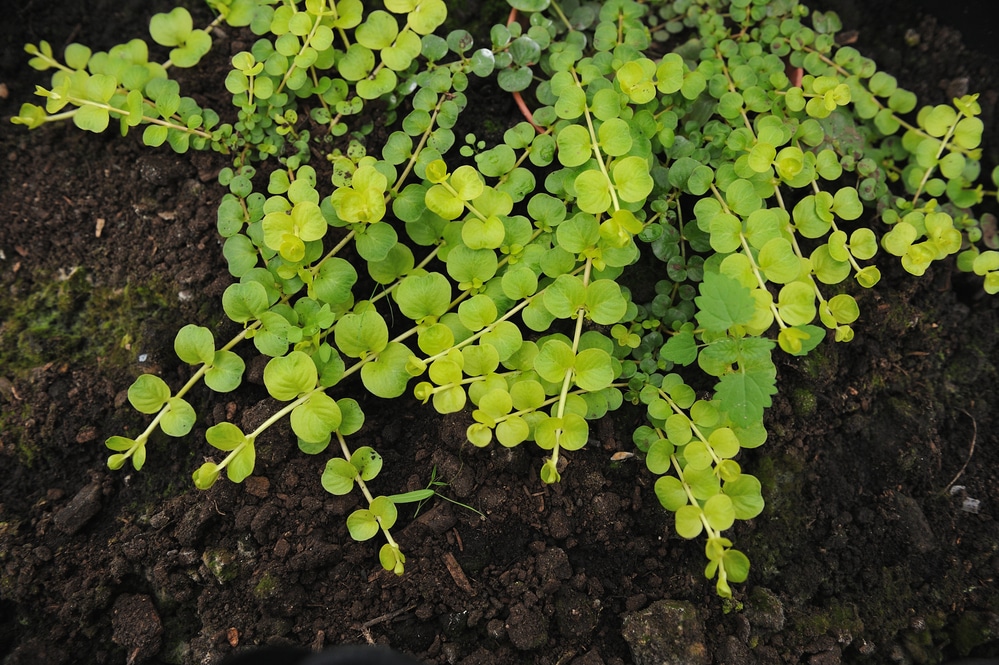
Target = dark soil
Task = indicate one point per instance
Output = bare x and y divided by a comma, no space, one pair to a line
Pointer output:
861,556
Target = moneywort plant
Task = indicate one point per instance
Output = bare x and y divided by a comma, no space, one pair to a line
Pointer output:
695,186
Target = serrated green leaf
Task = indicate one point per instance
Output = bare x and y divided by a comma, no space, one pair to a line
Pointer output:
723,303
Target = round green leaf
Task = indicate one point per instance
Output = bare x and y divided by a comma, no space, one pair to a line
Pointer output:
351,416
388,376
592,192
367,462
605,303
575,432
225,436
244,301
179,419
171,29
316,419
670,492
358,334
288,377
427,16
384,509
659,457
688,521
726,233
512,431
796,303
742,198
719,512
378,31
241,466
633,179
554,359
594,369
422,296
779,262
519,282
574,147
148,393
362,525
746,495
195,344
338,476
477,312
565,296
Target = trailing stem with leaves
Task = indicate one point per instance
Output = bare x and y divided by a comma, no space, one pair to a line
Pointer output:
696,185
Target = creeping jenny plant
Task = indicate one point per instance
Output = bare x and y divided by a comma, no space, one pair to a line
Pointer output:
729,148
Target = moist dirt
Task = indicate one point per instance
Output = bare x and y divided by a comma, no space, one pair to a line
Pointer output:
867,551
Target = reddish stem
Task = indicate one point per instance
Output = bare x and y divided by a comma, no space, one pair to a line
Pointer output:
517,97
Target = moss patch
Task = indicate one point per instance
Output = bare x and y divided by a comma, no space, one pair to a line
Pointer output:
68,320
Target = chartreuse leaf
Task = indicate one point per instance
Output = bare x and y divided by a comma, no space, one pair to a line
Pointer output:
179,418
424,297
195,344
593,191
243,302
367,462
687,521
361,332
316,419
569,432
241,464
746,495
363,524
225,436
176,29
632,179
593,369
290,376
388,375
148,393
554,359
338,476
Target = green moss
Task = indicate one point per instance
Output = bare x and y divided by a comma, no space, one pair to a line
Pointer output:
972,630
70,321
804,402
221,563
781,477
266,586
836,618
12,420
